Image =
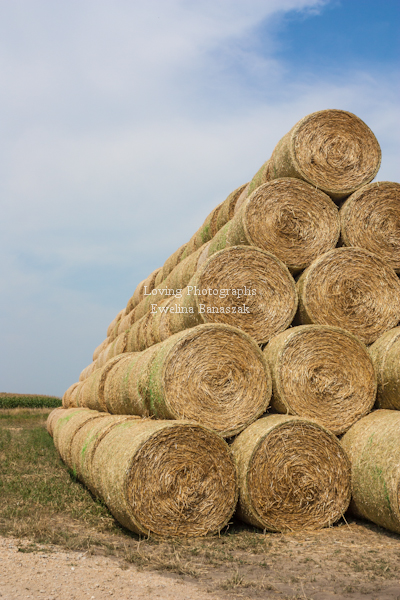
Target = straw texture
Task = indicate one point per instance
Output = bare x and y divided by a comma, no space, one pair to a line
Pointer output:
353,289
52,418
293,474
323,373
84,444
164,477
92,392
101,346
385,354
167,478
67,395
373,446
370,218
213,374
333,150
138,294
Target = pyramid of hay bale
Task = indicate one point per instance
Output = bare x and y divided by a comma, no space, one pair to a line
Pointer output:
222,342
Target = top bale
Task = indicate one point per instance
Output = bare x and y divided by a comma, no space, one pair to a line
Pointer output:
332,150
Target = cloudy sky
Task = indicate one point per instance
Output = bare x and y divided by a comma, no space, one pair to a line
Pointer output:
123,123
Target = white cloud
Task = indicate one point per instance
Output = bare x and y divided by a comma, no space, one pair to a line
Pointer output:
125,123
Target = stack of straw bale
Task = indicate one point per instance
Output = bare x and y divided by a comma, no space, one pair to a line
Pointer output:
221,335
163,477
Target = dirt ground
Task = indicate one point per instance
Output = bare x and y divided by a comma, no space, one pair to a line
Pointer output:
358,561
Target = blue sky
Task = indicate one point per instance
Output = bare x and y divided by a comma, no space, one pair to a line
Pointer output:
124,123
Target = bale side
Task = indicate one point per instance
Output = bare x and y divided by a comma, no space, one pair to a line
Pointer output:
373,446
385,355
370,219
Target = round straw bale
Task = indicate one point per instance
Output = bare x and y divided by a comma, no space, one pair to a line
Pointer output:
167,478
261,177
67,395
101,347
228,207
322,373
293,474
353,289
84,444
333,150
62,426
287,217
87,371
212,374
92,393
118,346
114,332
64,433
177,279
370,218
169,264
242,286
373,446
113,323
149,283
52,418
385,354
74,397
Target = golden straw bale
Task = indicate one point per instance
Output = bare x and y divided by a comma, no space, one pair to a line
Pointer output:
373,446
262,299
118,346
74,397
214,221
169,264
149,282
60,424
170,478
113,324
114,332
101,347
228,207
241,286
321,373
52,418
385,354
92,393
261,177
84,445
370,218
333,150
67,395
353,289
67,427
177,279
87,371
287,217
293,474
212,374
